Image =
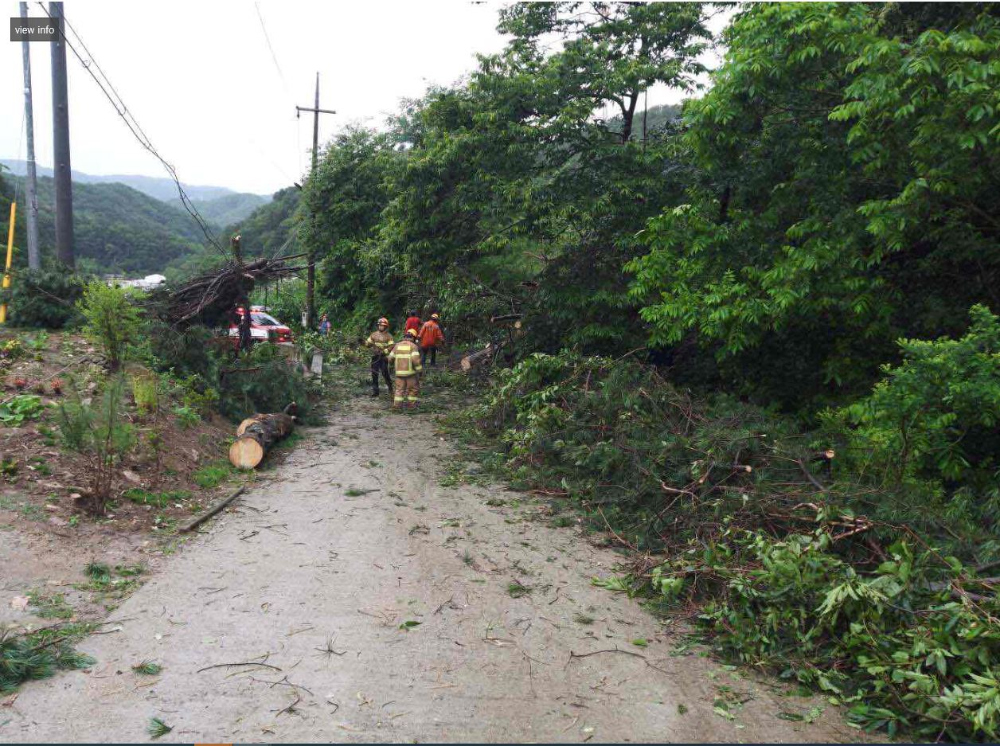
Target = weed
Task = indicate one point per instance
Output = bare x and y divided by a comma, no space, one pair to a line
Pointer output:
681,709
22,407
147,668
467,558
8,468
38,464
419,528
583,618
156,499
186,417
563,521
516,589
48,435
97,571
211,476
146,391
639,642
355,492
50,607
38,342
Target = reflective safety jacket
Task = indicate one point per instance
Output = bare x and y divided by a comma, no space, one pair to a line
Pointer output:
430,334
405,357
381,341
413,322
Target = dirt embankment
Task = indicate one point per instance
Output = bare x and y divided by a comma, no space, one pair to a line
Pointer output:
355,596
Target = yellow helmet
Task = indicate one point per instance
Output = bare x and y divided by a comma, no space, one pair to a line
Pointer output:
435,316
411,332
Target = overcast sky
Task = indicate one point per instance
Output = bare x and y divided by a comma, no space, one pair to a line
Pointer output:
201,81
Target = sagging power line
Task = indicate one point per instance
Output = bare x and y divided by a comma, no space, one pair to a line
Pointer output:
115,99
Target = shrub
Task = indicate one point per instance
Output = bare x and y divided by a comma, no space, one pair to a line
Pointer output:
101,434
186,417
927,437
112,321
44,299
146,392
262,380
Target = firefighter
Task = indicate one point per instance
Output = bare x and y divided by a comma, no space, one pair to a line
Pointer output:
430,336
381,343
405,359
412,322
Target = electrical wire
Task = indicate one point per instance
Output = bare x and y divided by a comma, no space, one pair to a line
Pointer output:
135,128
274,57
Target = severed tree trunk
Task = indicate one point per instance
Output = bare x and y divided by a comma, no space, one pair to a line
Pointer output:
256,436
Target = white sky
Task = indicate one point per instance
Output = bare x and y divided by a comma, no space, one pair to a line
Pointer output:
200,80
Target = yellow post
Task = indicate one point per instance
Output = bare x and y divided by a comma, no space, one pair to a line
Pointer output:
10,256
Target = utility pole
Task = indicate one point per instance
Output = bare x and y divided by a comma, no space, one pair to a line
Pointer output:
311,249
63,174
34,258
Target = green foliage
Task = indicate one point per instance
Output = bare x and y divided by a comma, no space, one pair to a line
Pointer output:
146,392
44,298
29,656
927,436
112,321
186,417
100,432
263,381
38,342
157,728
148,668
846,158
17,409
904,643
211,476
156,499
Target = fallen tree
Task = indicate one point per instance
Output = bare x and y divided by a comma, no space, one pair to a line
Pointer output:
256,435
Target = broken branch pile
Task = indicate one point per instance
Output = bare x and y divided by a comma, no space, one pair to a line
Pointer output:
211,297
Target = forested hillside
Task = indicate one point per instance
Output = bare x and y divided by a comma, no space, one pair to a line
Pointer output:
227,209
119,229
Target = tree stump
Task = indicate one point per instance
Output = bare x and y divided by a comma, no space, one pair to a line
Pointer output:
256,436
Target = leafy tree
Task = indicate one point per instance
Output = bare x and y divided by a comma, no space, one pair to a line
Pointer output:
831,213
112,321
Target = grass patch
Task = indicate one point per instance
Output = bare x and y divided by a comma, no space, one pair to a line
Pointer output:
211,476
156,499
583,619
50,606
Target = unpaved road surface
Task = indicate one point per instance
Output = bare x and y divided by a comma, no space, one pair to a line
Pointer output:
324,585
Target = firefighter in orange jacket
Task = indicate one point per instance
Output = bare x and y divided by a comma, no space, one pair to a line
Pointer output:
405,360
430,336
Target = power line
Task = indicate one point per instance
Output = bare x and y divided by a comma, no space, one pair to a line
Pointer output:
274,57
121,109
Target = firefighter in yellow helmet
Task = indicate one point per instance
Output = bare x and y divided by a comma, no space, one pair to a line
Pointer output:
381,343
405,359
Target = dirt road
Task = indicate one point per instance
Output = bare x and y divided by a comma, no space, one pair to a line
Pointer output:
387,607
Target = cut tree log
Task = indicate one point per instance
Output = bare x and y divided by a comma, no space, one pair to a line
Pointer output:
256,436
481,357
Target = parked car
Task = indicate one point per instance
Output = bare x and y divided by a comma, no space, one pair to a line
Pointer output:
263,327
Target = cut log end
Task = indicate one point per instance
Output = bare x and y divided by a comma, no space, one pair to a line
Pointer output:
246,453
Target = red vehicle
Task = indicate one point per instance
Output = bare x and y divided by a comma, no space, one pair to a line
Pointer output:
263,327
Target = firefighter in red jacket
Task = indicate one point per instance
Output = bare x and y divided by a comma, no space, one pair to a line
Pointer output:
412,322
430,337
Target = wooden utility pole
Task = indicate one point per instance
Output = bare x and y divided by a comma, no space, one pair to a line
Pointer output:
34,258
311,248
63,172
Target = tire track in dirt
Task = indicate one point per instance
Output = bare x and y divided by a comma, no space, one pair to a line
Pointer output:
322,573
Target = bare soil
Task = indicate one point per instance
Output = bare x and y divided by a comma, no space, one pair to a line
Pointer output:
351,596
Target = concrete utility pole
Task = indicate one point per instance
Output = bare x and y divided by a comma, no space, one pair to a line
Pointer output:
34,258
60,144
311,272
